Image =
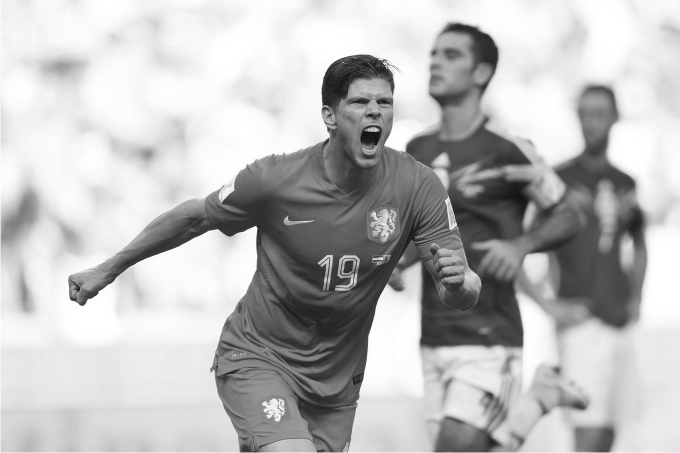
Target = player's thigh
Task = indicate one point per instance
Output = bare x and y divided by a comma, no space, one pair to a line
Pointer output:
593,439
434,390
588,357
455,435
481,388
331,428
262,407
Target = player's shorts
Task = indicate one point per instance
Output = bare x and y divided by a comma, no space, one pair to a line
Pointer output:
601,359
263,409
472,384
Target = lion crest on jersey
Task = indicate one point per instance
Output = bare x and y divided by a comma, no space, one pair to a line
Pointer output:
274,409
383,223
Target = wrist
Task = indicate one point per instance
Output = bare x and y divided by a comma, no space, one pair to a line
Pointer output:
524,244
458,299
111,269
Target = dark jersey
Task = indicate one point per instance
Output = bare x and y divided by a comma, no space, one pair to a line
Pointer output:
590,264
323,259
490,176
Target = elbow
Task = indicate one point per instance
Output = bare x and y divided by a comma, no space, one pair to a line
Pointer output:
194,212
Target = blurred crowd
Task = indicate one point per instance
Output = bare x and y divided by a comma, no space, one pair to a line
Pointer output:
114,111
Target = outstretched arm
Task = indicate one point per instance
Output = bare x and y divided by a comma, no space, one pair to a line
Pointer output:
457,284
169,230
555,226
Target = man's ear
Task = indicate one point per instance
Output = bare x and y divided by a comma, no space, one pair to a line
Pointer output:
328,116
482,74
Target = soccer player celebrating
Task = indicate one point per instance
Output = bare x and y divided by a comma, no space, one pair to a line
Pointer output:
332,222
597,298
472,360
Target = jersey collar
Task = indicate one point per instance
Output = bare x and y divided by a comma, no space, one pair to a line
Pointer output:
344,198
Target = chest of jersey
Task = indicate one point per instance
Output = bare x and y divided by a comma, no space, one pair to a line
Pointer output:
330,247
609,205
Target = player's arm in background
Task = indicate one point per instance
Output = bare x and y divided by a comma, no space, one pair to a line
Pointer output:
636,229
559,219
236,207
169,230
543,292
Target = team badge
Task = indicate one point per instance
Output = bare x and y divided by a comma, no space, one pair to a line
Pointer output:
274,409
383,223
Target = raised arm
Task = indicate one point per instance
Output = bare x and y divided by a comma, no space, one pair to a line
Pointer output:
457,284
169,230
555,226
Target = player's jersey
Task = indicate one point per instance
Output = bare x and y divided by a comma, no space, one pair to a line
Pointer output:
490,176
323,259
590,263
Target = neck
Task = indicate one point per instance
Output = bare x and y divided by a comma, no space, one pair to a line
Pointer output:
596,156
341,169
460,117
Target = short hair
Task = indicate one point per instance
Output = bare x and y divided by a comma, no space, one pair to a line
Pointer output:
484,49
603,89
341,73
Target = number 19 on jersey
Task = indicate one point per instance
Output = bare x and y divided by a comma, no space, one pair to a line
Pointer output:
348,267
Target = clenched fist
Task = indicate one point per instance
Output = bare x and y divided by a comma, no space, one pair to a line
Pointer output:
449,267
83,286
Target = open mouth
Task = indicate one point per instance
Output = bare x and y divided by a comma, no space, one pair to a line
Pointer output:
369,140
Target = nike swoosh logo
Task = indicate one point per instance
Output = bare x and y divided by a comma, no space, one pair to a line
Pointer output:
295,222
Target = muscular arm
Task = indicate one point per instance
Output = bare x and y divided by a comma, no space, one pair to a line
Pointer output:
555,226
169,230
457,284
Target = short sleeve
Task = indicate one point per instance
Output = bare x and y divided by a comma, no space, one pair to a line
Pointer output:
435,221
539,182
237,206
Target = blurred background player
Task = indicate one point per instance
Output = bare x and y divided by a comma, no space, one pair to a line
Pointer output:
291,358
472,361
598,294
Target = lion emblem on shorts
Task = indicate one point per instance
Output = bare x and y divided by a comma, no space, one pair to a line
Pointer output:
383,223
274,408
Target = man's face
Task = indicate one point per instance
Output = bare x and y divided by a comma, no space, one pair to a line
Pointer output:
452,66
364,120
597,116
